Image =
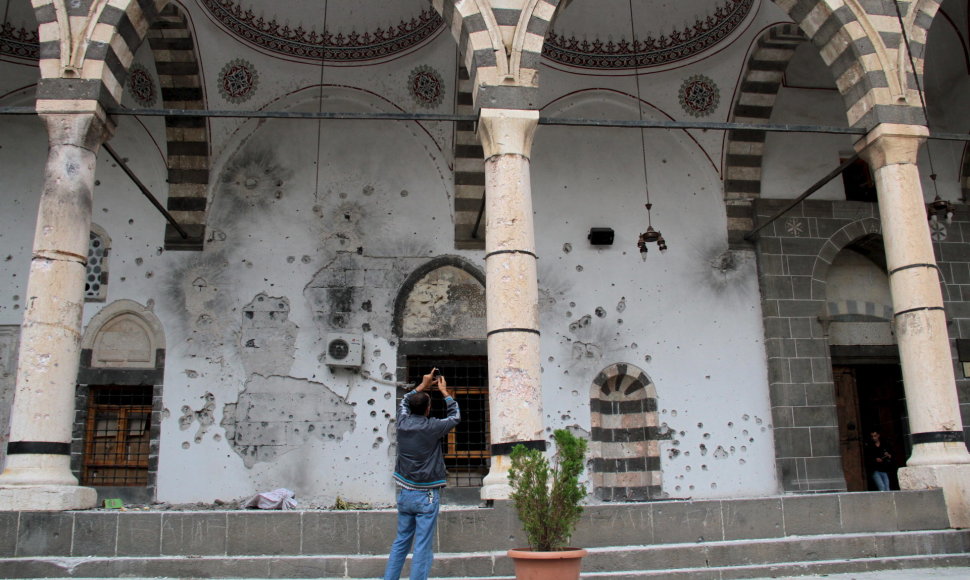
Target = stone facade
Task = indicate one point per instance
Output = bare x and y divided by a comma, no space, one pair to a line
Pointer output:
794,256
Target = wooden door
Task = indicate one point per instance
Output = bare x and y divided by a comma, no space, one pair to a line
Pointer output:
850,428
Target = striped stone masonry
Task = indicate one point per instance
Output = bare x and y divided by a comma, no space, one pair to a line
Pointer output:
861,49
187,137
745,148
469,173
99,67
504,77
794,254
625,436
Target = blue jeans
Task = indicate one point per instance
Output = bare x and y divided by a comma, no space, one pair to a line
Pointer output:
417,514
881,479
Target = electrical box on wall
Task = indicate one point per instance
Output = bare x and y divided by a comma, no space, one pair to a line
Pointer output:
344,351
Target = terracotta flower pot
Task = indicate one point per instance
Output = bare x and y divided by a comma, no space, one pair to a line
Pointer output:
561,565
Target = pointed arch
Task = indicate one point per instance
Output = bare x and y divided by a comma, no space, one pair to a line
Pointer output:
754,103
867,56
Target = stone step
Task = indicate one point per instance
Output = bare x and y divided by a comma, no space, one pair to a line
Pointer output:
793,556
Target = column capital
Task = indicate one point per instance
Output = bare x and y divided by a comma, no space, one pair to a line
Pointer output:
507,131
891,144
86,129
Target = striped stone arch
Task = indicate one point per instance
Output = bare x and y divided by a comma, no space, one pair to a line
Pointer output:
500,74
745,149
862,50
919,21
625,439
179,74
88,74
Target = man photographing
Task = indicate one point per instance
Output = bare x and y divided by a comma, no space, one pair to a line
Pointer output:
420,473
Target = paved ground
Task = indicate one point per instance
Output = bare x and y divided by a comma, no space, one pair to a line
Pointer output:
914,574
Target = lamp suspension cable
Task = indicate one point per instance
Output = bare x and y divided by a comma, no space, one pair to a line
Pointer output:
323,58
651,235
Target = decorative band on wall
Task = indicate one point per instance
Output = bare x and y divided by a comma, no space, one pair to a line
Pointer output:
901,268
506,448
937,437
490,254
917,309
498,330
38,448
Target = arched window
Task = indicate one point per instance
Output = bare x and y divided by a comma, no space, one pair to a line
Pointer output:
119,401
440,316
96,276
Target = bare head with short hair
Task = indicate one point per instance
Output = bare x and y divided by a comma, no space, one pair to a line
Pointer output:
419,403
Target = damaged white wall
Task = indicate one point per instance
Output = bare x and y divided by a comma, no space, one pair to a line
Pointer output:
313,227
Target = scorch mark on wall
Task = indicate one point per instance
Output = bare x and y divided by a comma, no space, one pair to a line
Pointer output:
276,415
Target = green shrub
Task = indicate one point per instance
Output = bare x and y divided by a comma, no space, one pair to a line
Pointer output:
547,497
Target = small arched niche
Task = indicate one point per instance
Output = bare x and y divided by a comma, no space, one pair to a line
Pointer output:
624,443
124,334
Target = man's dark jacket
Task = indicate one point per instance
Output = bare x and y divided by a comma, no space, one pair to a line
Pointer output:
420,463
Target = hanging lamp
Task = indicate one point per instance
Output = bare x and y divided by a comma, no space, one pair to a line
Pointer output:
650,236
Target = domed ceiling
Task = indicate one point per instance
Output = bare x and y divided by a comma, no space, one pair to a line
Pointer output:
591,34
341,30
597,34
588,34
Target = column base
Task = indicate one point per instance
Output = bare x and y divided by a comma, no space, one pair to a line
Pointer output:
495,485
46,498
953,479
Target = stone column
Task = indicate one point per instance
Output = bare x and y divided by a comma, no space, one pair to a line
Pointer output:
38,472
511,292
939,457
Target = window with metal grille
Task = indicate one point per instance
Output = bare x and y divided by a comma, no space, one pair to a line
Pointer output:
116,440
466,449
96,276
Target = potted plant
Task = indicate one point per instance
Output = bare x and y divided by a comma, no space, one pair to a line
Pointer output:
547,499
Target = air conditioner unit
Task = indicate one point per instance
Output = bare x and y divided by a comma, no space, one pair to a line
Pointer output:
344,350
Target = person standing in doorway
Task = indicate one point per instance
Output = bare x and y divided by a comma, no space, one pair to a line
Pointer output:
879,461
420,473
